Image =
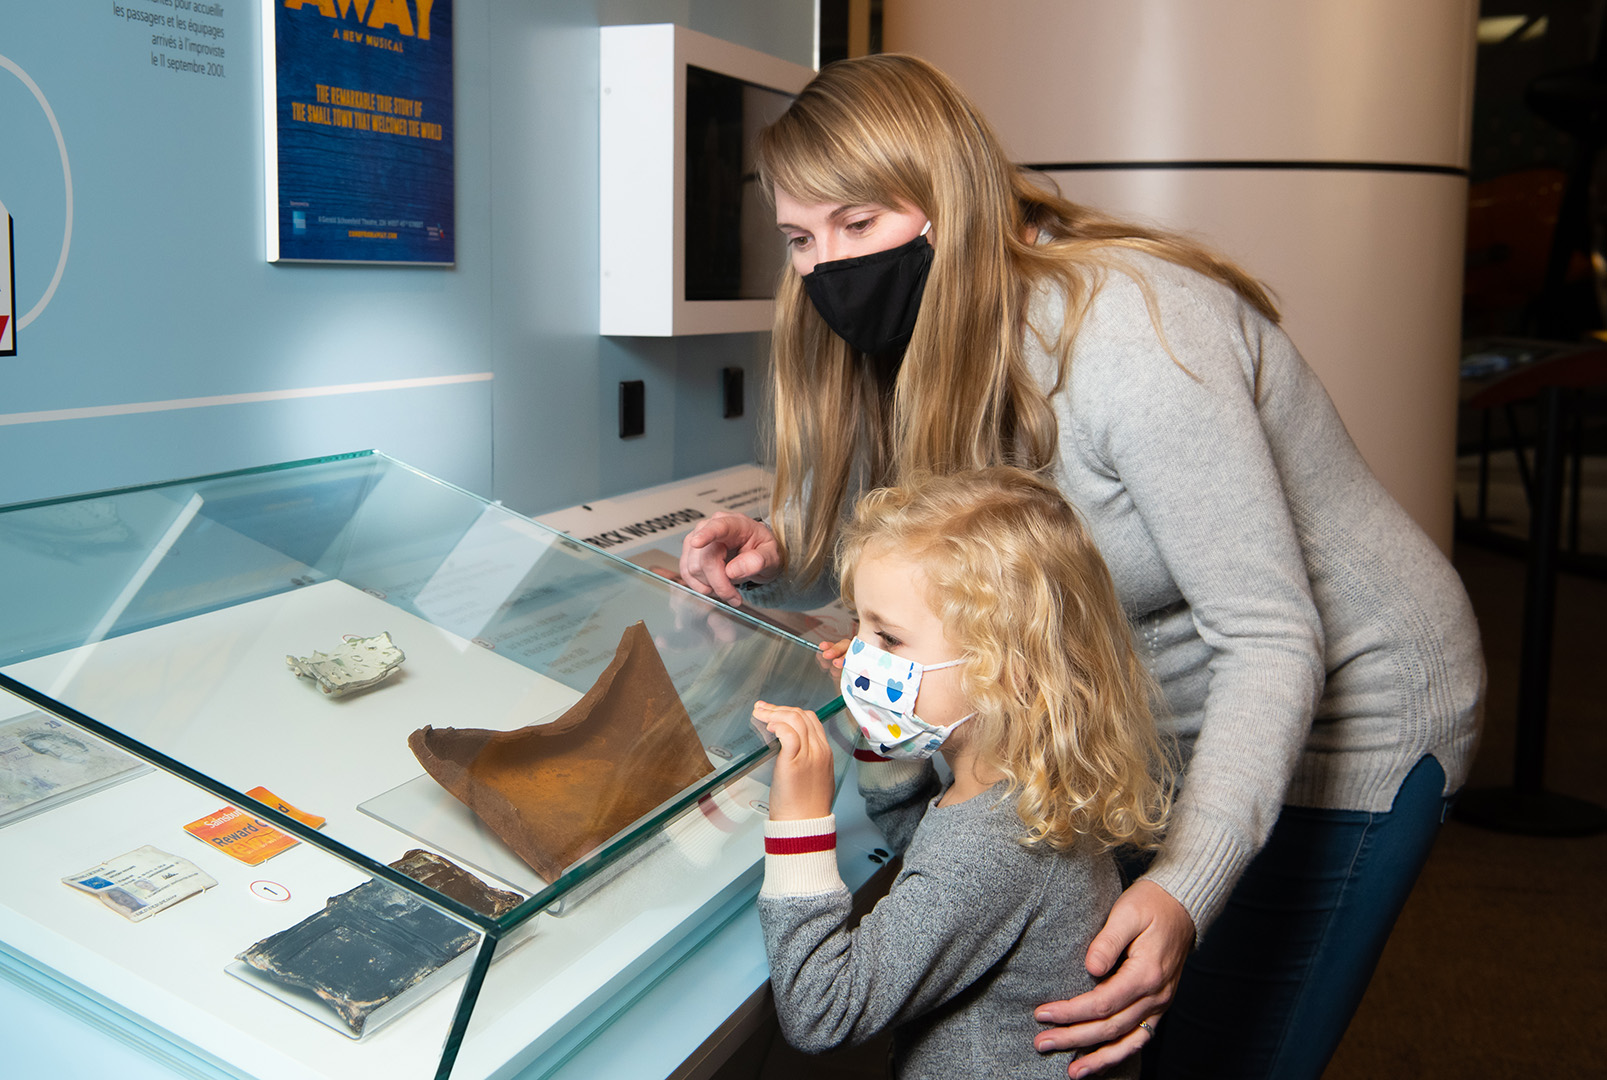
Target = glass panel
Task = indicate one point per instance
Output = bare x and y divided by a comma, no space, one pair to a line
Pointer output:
172,619
303,964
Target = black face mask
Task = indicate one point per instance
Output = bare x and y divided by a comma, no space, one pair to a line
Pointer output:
871,301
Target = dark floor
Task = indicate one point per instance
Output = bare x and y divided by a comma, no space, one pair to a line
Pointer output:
1498,965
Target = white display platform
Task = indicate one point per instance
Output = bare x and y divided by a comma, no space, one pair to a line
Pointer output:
654,1026
213,691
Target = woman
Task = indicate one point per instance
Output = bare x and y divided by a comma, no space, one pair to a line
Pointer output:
1318,656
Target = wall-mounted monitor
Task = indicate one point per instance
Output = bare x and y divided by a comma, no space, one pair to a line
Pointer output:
689,245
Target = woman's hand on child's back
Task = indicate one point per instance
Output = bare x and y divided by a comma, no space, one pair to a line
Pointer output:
803,785
1157,934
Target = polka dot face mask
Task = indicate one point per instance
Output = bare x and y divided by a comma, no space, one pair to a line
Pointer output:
879,690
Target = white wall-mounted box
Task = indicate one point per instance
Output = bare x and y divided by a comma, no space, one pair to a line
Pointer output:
669,267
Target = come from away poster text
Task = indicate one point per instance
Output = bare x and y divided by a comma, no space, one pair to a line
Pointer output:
363,92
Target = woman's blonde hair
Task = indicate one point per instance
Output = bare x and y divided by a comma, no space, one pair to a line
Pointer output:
1062,700
893,131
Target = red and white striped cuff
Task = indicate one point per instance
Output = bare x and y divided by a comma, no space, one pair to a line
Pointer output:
800,857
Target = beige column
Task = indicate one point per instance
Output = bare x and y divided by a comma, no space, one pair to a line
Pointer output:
1322,144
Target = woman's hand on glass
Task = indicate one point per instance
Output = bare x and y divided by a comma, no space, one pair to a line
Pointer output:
1115,1019
726,549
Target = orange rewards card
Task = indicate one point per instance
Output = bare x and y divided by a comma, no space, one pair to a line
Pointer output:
239,834
268,798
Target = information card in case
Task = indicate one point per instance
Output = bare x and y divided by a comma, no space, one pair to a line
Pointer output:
140,883
45,762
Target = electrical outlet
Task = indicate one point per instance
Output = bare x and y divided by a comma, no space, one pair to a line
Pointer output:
731,392
632,408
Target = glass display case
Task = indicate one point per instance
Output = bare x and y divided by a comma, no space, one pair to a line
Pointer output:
332,769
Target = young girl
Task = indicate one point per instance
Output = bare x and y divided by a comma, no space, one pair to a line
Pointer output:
989,631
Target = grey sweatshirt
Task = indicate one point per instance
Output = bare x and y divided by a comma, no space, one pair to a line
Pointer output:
975,933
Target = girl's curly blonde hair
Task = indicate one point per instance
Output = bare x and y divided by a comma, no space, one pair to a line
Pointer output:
1062,700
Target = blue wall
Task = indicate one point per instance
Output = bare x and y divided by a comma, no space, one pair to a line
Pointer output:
166,298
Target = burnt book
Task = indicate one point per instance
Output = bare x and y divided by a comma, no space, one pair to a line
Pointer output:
452,881
375,951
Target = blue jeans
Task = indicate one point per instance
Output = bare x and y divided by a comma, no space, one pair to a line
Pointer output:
1277,977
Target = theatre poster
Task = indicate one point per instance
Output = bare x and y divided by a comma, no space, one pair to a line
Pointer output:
358,118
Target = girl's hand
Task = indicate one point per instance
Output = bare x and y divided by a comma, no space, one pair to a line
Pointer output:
803,784
725,549
832,653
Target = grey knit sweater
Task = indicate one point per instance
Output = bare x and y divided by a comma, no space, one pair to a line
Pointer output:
1311,642
975,933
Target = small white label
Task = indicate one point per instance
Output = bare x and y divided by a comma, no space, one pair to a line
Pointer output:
270,890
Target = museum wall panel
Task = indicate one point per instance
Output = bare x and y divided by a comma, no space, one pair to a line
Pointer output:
167,345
